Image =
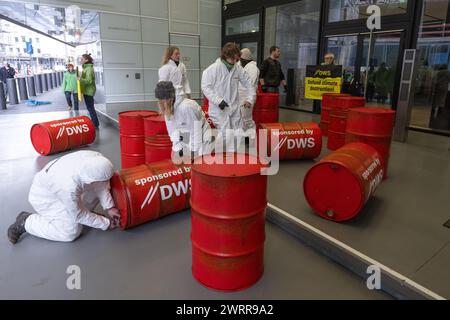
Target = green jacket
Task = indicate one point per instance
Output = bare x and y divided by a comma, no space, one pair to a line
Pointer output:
87,80
70,82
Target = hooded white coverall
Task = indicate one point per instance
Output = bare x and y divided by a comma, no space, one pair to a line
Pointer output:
188,114
248,125
177,75
219,84
64,193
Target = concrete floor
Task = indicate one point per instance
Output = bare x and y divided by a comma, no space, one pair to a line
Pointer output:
149,262
56,96
402,225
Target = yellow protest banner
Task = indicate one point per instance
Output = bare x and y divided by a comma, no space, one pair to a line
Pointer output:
322,79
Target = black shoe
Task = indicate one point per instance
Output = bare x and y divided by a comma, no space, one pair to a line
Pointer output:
17,228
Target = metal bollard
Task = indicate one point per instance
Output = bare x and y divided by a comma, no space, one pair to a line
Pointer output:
12,91
23,93
44,84
31,86
2,96
38,83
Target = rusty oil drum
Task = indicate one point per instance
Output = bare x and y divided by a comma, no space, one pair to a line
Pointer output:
374,127
61,135
328,103
132,136
338,187
338,119
296,140
148,192
228,233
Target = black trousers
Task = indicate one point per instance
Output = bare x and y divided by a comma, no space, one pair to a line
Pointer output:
89,101
69,99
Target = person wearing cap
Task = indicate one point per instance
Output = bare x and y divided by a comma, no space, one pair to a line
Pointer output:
185,121
220,85
69,86
64,195
251,69
175,71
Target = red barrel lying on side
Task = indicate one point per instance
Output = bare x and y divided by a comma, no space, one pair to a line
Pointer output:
132,136
296,140
374,127
338,119
228,205
328,103
149,192
61,135
338,187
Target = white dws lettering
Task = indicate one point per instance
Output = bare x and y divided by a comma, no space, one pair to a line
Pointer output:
301,143
77,129
167,191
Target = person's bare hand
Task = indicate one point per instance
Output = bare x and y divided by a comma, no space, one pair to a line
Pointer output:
247,104
114,216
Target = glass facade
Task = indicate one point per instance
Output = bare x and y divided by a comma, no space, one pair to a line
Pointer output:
242,25
345,10
294,28
431,108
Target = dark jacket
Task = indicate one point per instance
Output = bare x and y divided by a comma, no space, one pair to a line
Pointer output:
271,72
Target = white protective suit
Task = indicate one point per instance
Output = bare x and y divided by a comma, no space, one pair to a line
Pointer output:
219,84
248,125
64,193
188,114
177,75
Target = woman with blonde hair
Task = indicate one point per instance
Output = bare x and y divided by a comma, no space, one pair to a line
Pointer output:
175,71
185,121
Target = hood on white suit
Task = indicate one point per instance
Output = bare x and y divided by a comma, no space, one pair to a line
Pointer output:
95,168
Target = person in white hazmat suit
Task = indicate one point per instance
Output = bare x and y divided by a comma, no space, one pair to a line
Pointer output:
63,194
175,71
220,85
252,71
185,121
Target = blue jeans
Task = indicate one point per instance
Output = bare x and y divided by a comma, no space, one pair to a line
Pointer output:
69,99
89,100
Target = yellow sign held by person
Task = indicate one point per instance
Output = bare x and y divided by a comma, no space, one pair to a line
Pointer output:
322,79
80,94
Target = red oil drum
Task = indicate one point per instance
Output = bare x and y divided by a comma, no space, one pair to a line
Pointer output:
157,148
131,127
338,187
296,140
265,115
132,160
61,135
328,103
149,192
267,101
154,125
132,122
374,127
338,119
228,233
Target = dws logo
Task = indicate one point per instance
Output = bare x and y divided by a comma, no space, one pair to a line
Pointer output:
72,130
167,191
298,143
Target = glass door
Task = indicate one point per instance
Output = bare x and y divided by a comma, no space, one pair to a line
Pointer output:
380,73
376,77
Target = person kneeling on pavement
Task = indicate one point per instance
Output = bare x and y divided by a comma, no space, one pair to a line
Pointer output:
63,194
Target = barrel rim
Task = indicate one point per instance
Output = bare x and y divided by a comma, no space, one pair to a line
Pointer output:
41,126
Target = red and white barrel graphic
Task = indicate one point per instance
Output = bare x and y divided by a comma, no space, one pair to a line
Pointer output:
296,140
61,135
151,191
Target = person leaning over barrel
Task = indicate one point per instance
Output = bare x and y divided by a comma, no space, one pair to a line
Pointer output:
88,88
63,194
185,121
69,86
